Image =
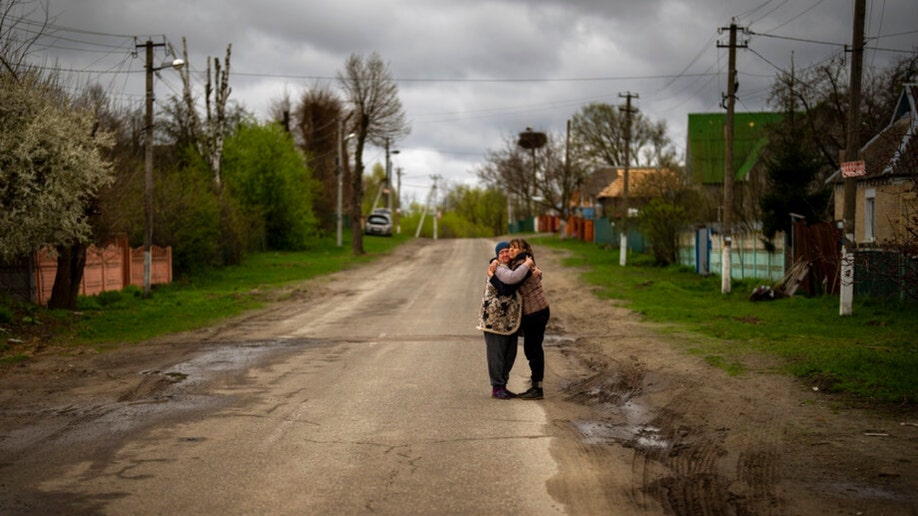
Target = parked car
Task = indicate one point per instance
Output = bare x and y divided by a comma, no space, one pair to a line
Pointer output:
378,224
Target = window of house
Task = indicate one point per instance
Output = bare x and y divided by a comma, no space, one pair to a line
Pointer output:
870,215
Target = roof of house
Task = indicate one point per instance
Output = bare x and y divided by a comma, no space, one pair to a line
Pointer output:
894,151
596,182
707,144
592,186
635,177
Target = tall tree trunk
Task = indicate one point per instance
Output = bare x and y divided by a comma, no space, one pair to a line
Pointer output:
71,261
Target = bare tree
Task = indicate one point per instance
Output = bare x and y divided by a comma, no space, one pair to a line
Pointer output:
535,180
210,134
16,43
378,117
510,170
598,134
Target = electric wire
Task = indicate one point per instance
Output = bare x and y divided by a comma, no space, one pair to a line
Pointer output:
810,8
769,12
752,11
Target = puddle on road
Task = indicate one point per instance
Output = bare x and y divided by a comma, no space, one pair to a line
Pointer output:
557,340
168,392
630,431
218,360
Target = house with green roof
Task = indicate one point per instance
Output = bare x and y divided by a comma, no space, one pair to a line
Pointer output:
705,164
704,168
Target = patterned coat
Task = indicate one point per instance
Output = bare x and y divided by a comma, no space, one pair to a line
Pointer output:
500,314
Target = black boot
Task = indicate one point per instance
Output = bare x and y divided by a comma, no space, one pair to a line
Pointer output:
533,393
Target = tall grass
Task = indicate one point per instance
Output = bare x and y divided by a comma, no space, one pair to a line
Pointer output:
872,354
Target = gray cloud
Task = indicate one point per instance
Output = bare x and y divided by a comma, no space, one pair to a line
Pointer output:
471,73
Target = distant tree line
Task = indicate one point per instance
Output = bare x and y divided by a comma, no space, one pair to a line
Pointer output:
226,184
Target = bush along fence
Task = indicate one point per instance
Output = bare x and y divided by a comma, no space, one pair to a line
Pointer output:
110,267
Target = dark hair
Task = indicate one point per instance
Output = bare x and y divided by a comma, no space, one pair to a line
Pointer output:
522,244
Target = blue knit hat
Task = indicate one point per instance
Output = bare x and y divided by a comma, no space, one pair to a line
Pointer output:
501,245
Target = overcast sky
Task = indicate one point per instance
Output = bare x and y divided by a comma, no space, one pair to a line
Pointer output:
472,73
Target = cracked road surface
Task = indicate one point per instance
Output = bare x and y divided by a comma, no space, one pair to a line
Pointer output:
369,395
366,392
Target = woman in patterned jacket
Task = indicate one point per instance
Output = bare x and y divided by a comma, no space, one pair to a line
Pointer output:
499,319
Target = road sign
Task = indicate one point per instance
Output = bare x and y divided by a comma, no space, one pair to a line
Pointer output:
853,168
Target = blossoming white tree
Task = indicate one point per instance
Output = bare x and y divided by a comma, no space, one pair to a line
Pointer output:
51,160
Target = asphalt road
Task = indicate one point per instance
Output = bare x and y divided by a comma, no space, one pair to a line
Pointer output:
366,392
368,397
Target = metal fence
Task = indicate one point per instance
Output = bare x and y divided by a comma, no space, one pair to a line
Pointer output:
748,257
887,275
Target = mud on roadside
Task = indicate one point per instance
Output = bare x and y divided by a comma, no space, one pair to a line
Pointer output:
694,440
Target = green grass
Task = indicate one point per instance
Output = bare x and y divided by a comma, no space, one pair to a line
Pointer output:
872,354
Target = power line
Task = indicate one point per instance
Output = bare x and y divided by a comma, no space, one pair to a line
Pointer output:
769,12
42,25
499,80
791,38
810,8
897,34
701,52
760,56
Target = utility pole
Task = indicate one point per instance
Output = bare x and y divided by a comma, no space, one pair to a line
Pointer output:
388,182
566,211
148,174
531,141
148,163
388,186
431,196
852,148
436,205
398,202
628,110
339,172
727,229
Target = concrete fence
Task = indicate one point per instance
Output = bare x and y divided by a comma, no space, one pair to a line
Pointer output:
111,267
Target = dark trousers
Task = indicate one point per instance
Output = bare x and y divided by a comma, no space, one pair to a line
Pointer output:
533,326
501,353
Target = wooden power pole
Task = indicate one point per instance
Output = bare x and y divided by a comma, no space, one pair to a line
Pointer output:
628,110
852,147
727,229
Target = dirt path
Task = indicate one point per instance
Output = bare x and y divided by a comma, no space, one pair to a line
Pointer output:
672,434
639,421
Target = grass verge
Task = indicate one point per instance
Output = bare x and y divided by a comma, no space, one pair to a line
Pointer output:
115,318
872,354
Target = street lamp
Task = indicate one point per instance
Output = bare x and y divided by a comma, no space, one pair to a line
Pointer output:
148,163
